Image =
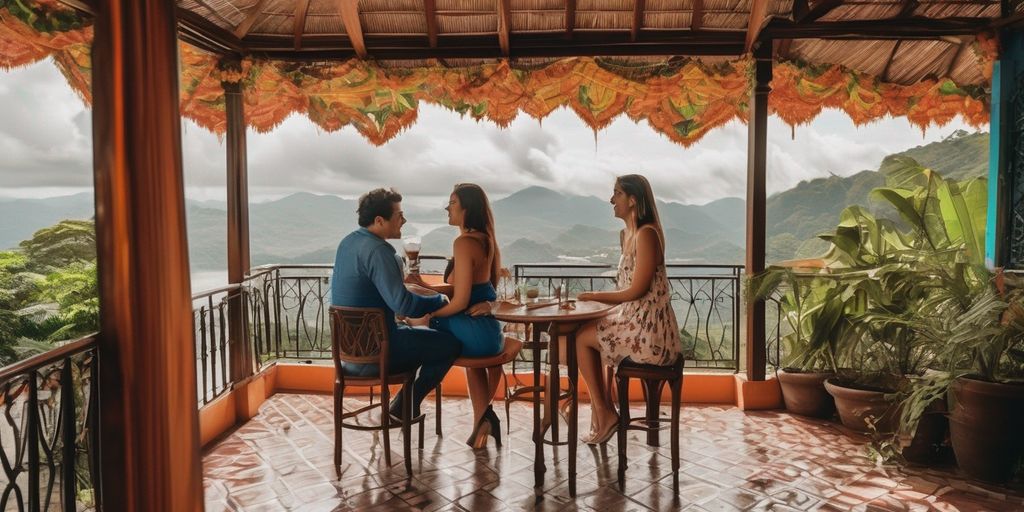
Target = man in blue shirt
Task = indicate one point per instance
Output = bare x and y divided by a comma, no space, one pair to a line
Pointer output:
367,273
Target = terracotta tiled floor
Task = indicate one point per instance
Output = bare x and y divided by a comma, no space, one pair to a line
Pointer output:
731,460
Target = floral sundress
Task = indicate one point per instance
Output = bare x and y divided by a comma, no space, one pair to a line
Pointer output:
645,329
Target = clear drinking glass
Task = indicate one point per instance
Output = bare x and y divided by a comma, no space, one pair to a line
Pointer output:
412,253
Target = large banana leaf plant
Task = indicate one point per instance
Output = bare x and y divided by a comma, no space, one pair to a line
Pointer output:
881,274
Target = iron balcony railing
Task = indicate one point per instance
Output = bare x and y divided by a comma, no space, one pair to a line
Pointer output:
706,300
49,430
286,314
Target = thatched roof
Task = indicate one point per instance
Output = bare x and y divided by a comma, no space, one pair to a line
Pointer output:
683,66
908,40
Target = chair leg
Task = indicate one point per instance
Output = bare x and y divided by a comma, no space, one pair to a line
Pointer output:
437,414
623,425
339,392
652,395
422,426
677,390
406,427
508,401
385,422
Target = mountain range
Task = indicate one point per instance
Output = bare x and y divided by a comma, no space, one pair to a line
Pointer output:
535,224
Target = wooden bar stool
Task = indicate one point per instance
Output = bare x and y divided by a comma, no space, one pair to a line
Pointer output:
359,336
654,378
508,352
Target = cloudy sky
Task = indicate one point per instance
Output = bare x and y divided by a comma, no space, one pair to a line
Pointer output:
46,147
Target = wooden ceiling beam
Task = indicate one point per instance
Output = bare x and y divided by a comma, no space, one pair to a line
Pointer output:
487,50
299,27
264,42
697,17
782,52
638,19
956,56
353,27
570,18
884,29
430,15
504,26
758,11
908,8
884,75
800,9
203,33
819,9
245,26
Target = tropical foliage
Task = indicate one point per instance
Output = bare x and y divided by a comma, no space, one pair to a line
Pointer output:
48,290
859,318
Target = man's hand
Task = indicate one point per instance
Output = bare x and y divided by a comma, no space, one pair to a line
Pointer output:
420,290
423,321
415,279
480,309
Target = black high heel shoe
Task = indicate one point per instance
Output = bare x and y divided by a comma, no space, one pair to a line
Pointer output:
492,418
492,424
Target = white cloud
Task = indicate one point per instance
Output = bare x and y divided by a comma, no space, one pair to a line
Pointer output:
46,142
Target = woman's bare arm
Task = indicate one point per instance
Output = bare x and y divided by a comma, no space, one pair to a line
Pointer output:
648,257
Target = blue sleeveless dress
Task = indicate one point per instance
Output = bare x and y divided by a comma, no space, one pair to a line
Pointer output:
480,335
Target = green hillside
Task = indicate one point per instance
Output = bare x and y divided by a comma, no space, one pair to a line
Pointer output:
796,216
535,224
960,156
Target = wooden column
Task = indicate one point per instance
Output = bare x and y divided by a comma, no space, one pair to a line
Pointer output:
757,152
1002,127
238,226
149,429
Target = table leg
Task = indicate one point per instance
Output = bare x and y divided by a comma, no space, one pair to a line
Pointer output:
570,348
538,437
555,386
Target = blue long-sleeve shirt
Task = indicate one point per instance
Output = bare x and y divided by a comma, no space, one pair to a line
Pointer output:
367,274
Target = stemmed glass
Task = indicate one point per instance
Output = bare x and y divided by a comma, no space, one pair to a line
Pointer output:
412,254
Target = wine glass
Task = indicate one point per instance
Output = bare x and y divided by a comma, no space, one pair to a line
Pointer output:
412,253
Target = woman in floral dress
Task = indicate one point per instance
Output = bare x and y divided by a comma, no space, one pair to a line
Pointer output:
643,327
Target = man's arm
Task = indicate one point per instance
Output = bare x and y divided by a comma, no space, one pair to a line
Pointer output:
387,277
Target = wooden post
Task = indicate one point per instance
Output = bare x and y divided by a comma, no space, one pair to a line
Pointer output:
757,152
238,227
149,429
1001,165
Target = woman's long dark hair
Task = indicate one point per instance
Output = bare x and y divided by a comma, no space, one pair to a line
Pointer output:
478,217
637,187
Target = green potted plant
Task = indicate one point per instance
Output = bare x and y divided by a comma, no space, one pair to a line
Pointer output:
987,399
813,309
981,377
887,271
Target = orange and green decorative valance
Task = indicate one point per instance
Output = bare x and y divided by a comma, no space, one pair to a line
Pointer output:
680,98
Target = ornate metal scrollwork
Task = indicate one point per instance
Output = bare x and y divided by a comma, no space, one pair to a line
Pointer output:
1015,179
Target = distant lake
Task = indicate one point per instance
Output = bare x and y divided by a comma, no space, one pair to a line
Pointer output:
208,280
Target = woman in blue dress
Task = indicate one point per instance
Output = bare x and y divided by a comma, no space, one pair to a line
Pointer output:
477,264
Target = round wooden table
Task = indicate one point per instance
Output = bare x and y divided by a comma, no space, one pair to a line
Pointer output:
559,322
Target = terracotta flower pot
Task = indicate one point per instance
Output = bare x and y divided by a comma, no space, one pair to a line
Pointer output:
857,404
804,393
987,427
930,445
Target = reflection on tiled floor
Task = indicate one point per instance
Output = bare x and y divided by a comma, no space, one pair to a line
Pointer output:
731,460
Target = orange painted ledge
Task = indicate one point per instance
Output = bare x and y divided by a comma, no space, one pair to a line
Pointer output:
242,403
758,395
